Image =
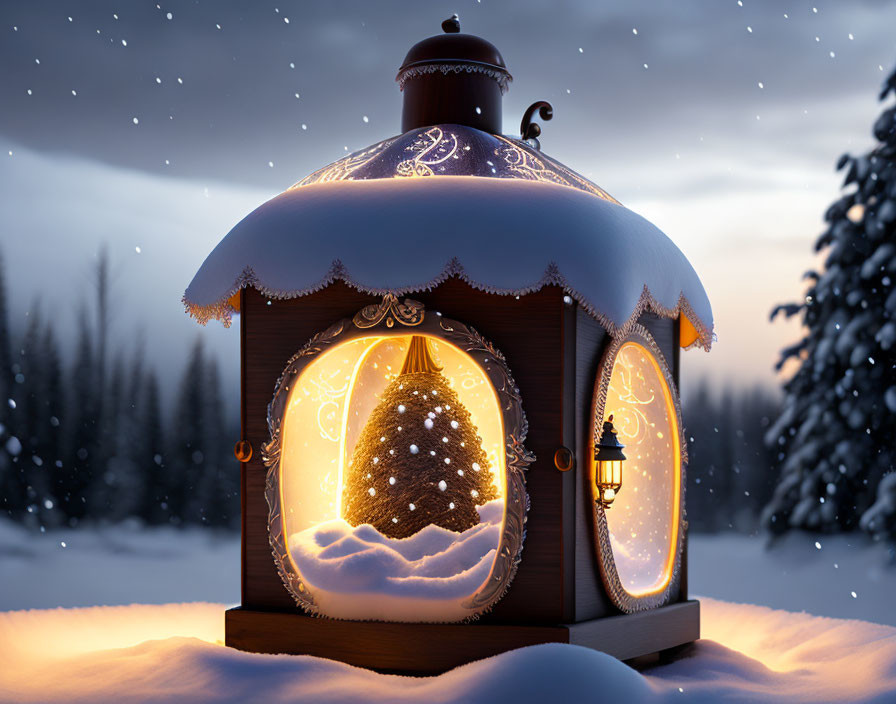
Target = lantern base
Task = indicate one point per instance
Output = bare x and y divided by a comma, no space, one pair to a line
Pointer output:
433,648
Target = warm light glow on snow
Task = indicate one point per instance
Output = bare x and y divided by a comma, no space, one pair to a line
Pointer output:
174,652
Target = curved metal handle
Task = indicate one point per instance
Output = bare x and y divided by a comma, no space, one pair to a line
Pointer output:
529,129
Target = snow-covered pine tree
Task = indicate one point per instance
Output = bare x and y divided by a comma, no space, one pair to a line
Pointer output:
118,495
419,460
835,435
880,519
49,446
187,460
728,478
219,489
77,473
12,499
28,485
7,427
150,455
128,480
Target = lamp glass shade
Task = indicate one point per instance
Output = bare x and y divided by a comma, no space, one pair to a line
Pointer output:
608,478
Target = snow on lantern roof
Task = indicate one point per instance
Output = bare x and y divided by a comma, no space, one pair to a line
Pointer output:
505,235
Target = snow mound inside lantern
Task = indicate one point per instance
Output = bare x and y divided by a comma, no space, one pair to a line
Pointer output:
359,573
358,555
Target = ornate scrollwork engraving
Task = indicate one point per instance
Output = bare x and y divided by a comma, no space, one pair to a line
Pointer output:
430,149
344,169
407,312
453,150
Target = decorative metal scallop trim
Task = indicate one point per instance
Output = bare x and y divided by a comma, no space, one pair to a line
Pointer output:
223,311
502,77
622,598
492,363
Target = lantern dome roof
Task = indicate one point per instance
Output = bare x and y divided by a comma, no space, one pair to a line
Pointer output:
391,219
452,150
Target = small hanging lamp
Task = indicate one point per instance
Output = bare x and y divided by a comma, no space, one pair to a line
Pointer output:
608,460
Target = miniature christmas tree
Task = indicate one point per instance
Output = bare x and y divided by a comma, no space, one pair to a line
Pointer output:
419,459
835,436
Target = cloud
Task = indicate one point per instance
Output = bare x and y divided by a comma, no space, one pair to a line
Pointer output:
737,174
59,213
236,109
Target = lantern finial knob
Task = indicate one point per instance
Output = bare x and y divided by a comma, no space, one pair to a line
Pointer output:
451,25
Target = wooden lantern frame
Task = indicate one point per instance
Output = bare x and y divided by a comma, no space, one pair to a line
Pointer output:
394,318
624,600
556,347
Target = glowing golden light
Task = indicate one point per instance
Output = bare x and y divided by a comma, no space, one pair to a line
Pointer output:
431,149
608,458
457,152
644,521
609,479
328,407
856,213
688,334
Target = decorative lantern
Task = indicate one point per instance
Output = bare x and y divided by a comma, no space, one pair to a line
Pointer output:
399,309
608,459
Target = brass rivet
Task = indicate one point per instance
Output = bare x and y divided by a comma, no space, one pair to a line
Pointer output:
243,450
564,460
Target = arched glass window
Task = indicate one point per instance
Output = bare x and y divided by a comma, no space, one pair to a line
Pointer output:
639,536
389,480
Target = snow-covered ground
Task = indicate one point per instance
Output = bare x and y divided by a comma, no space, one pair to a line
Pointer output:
827,575
117,565
174,650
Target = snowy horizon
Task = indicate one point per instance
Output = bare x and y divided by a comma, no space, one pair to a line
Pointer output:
127,118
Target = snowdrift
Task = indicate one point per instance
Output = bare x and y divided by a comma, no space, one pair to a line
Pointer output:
174,651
